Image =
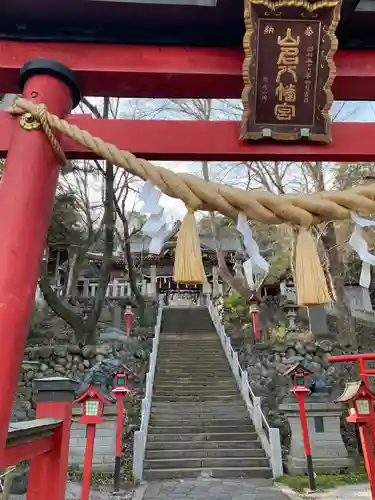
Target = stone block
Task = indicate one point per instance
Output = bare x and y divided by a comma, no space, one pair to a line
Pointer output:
105,444
327,447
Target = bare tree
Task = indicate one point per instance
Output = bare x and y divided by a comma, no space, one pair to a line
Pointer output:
84,322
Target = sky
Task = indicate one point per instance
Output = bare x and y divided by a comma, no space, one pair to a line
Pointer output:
354,111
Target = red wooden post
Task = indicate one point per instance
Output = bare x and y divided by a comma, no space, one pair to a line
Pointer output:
254,311
299,373
27,194
305,436
361,412
47,479
120,390
368,456
128,320
87,466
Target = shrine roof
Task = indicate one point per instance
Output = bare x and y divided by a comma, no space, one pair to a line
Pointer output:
159,22
139,245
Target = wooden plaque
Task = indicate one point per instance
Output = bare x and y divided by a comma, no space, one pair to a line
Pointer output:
289,69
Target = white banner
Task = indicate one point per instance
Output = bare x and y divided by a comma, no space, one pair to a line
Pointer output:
155,226
359,245
256,265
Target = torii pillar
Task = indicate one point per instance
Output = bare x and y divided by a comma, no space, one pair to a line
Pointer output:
26,201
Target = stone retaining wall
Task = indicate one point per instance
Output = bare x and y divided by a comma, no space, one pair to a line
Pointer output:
70,361
266,366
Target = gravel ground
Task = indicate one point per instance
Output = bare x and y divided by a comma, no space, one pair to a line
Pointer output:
213,489
73,492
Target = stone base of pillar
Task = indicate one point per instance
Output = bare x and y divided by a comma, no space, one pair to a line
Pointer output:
327,447
297,466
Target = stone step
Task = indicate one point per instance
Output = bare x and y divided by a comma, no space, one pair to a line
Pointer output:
173,341
203,428
191,359
191,338
204,436
218,397
215,346
169,332
164,407
207,416
184,328
189,379
206,453
185,386
193,363
195,390
197,372
191,342
174,422
203,445
201,351
195,368
205,463
225,472
198,367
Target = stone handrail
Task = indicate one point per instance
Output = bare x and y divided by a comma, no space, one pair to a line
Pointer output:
269,436
140,437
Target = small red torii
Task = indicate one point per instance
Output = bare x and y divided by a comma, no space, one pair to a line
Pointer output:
364,372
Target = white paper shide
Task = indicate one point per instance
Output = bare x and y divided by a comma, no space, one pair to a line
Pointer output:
255,267
155,226
359,245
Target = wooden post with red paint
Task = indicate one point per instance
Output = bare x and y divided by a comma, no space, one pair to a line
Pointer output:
299,373
26,201
120,390
128,319
48,472
361,412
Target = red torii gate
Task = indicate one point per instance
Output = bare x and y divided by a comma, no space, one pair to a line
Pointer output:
31,175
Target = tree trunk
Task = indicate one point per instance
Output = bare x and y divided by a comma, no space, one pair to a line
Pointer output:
129,259
105,272
85,329
345,321
59,308
71,275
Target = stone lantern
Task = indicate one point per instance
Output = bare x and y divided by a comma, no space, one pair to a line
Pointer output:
328,451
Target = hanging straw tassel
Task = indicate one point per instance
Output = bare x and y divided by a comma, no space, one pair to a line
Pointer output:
311,284
188,265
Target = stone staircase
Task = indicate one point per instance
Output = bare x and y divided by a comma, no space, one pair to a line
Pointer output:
198,425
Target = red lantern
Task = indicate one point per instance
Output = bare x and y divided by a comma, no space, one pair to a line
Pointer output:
92,414
92,406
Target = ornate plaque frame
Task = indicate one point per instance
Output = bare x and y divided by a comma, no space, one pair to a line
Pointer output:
288,69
